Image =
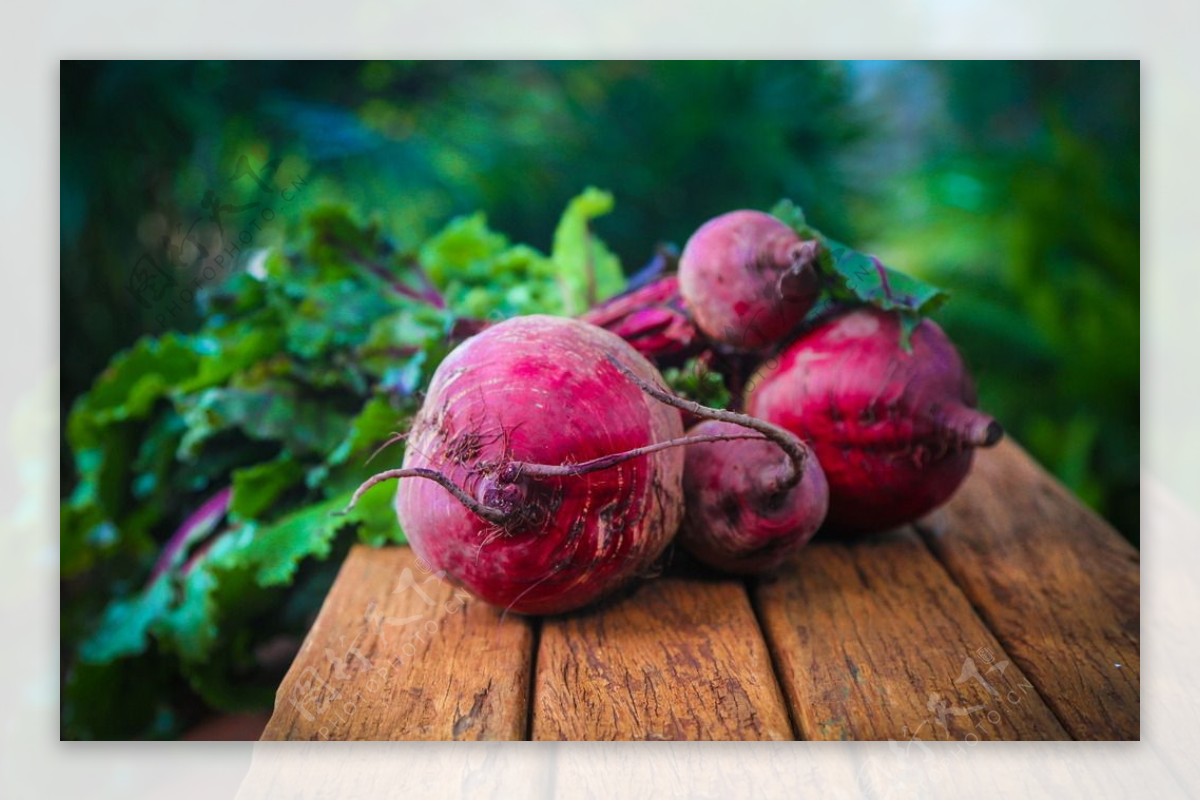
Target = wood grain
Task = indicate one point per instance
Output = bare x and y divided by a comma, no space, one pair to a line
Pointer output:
398,654
1013,614
873,641
680,659
1055,582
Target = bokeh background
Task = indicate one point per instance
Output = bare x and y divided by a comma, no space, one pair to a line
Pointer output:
1015,185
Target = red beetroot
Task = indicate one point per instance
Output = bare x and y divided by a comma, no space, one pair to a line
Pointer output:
894,431
528,393
744,514
549,477
748,279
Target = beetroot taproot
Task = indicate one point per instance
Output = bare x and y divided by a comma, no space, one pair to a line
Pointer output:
893,428
539,391
748,279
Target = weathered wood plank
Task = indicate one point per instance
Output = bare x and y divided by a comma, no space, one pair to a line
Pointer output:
1057,584
398,654
873,641
680,659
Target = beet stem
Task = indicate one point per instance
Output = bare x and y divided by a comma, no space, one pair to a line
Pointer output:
516,469
198,525
792,446
488,513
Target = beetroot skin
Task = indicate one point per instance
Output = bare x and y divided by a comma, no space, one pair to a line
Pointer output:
529,392
894,431
748,279
742,515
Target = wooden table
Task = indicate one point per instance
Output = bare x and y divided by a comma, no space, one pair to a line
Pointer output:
1012,613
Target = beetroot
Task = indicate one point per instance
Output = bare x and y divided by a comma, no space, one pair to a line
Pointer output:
742,512
748,279
529,392
549,477
894,430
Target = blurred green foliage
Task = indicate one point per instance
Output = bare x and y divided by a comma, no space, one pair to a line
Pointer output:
1014,185
414,144
1021,197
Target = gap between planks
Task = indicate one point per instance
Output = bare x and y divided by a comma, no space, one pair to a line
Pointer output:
1058,585
882,620
872,640
1054,588
397,653
679,658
